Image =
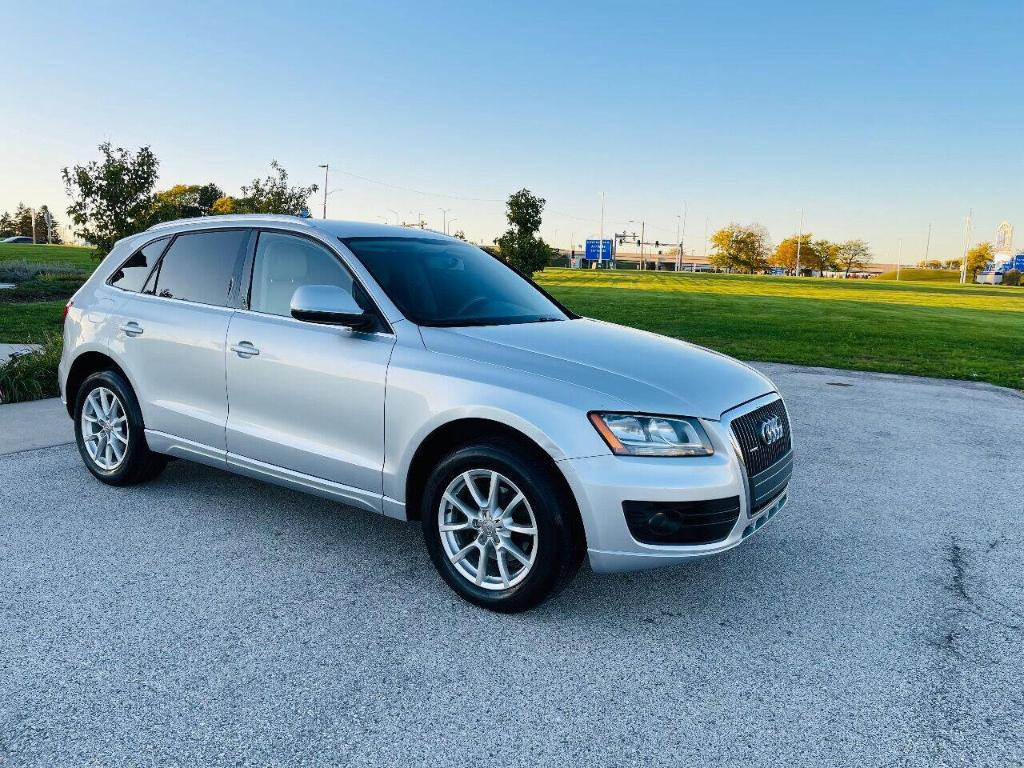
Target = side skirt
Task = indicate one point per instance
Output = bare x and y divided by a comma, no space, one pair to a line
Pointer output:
204,454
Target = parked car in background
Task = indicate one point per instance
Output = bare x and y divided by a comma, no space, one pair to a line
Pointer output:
17,239
414,375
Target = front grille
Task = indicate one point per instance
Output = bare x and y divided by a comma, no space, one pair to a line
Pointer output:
681,522
769,465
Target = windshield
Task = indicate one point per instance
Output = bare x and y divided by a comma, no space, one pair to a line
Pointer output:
446,283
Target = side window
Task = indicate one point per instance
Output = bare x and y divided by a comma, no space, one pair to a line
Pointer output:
131,275
285,263
200,267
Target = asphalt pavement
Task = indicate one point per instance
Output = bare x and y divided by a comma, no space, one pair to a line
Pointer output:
208,619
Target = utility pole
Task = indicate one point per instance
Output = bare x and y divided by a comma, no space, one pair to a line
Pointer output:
679,242
707,220
899,258
643,264
600,242
444,219
799,239
967,246
927,244
681,238
326,168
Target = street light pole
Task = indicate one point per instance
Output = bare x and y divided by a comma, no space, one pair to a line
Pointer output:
682,239
967,246
326,167
643,265
899,258
679,242
799,239
444,219
600,242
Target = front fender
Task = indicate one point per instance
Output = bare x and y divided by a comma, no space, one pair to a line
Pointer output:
426,391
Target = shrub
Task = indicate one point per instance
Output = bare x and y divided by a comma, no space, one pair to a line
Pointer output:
1011,277
39,282
32,376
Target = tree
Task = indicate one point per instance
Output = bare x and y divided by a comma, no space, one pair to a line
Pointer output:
520,246
223,206
821,256
784,255
20,224
46,226
269,195
112,198
978,258
741,248
851,255
184,201
460,235
23,221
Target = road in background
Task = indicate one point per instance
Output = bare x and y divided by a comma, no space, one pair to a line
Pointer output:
210,619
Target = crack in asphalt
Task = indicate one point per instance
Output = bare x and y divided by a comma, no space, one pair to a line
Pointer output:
952,706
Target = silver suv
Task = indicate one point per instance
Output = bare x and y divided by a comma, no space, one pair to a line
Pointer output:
416,376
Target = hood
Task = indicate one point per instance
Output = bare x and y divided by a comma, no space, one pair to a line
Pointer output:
652,373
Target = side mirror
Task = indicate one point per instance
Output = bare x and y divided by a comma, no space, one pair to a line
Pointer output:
329,305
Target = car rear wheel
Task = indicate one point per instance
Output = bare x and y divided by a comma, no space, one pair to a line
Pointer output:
499,528
110,432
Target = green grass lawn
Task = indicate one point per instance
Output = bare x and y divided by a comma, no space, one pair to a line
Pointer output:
58,255
925,328
923,275
36,306
928,329
20,323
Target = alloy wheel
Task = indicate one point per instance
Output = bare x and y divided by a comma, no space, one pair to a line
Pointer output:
105,429
488,529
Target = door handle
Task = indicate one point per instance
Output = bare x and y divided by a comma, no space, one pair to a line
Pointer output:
131,328
245,349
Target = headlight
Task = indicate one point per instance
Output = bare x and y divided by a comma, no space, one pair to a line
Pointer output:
630,434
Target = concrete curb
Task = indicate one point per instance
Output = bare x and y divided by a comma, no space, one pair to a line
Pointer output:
36,424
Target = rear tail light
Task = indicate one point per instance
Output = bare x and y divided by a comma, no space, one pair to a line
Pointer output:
67,308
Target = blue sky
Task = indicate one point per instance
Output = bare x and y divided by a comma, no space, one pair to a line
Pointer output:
875,118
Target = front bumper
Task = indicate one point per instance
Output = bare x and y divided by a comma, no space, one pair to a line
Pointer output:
602,483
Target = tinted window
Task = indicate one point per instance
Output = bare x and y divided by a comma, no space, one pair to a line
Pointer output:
285,263
441,282
131,275
200,267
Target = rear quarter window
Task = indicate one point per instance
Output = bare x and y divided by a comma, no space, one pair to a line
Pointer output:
131,275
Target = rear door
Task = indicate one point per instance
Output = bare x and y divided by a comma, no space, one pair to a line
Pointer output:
171,335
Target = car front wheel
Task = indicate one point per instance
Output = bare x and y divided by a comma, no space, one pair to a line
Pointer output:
500,530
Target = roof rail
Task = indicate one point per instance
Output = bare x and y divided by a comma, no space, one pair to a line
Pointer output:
232,217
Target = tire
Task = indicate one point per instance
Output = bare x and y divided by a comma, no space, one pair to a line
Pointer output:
136,463
554,550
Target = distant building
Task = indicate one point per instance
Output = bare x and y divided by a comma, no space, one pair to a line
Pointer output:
1004,240
1003,256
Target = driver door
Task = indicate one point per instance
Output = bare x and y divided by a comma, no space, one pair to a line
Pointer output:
305,400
